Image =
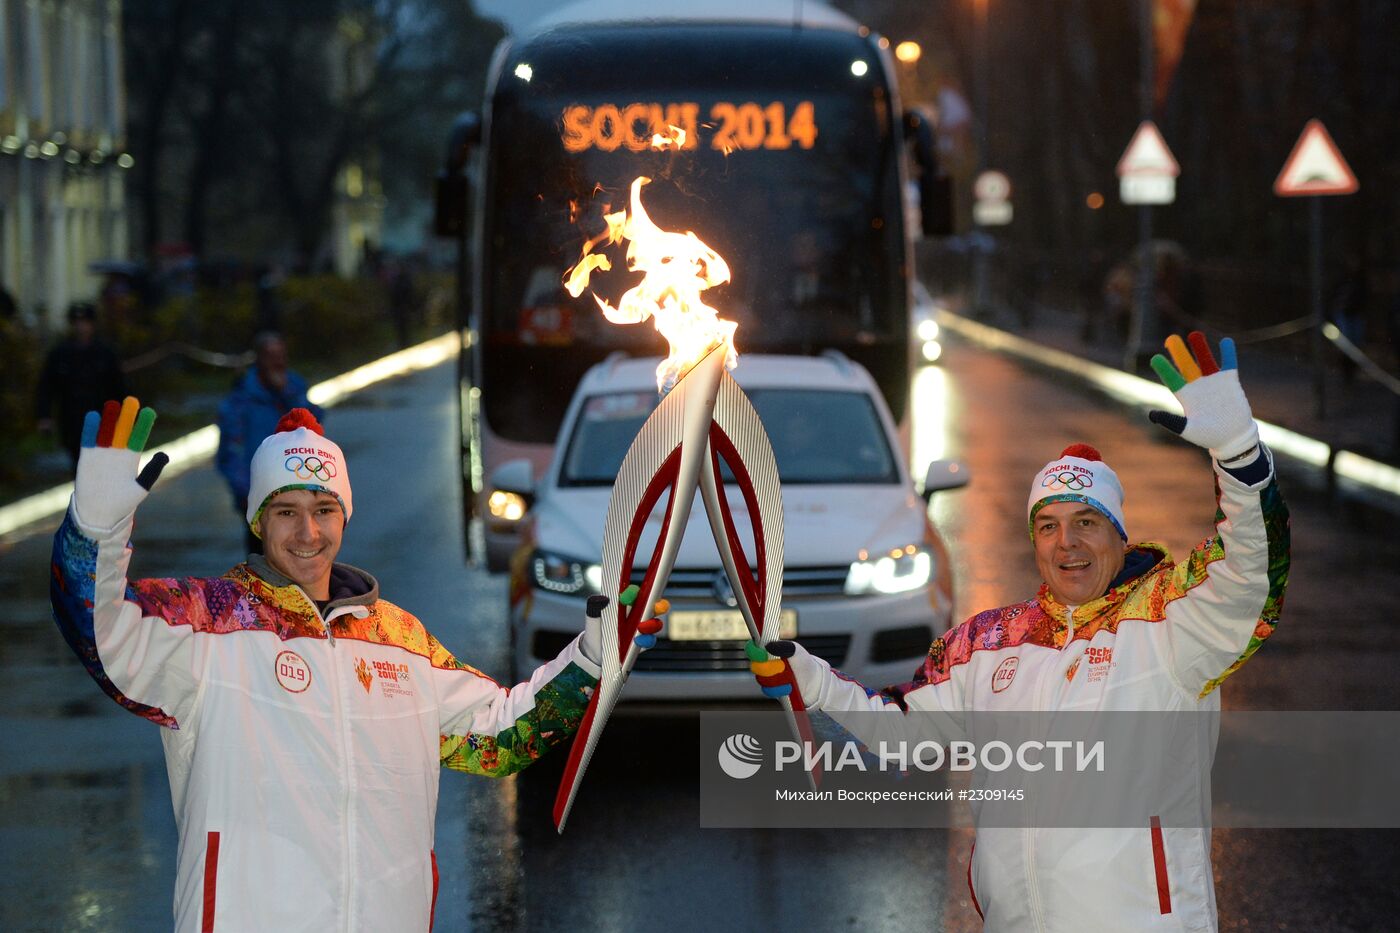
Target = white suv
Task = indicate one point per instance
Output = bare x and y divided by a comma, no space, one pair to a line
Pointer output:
865,581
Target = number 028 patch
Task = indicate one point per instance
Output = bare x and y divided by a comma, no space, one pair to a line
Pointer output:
729,126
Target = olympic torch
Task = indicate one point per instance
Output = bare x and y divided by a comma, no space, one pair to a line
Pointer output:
703,418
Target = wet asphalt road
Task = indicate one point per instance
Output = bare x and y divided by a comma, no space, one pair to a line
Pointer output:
87,838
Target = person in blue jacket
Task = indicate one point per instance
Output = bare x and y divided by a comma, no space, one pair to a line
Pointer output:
249,413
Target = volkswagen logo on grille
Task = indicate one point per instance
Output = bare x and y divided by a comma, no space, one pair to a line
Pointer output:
723,591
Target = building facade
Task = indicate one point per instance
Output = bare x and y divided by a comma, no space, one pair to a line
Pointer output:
62,151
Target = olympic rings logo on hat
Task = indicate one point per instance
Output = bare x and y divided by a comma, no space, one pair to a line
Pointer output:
1065,478
311,467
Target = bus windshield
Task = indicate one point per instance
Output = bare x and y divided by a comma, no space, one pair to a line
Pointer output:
788,171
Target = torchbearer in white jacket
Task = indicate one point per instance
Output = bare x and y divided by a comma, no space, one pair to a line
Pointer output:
305,718
1114,627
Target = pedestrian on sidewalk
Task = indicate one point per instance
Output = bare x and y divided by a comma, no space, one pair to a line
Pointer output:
261,396
1348,308
78,374
403,301
1114,627
305,717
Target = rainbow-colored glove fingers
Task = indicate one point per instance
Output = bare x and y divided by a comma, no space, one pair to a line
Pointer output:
647,628
771,670
125,426
592,645
108,488
1216,413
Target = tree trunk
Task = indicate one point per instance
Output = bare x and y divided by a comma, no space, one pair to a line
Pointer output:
166,67
211,130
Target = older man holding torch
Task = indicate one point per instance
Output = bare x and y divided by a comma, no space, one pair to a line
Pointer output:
1115,626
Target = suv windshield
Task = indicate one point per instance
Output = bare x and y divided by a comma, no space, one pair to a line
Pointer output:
819,436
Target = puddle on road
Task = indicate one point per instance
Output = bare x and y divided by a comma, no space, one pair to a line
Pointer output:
86,850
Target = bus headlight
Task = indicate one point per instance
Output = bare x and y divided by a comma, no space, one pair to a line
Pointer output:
507,506
563,575
897,571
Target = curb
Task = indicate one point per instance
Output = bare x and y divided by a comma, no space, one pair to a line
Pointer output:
198,446
1135,390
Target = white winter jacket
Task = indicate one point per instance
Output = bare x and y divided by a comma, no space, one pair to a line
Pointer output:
303,750
1163,640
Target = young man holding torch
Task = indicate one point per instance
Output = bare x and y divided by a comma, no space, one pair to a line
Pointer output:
1114,626
305,717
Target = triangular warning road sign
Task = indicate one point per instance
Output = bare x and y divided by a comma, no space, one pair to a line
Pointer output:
1148,154
1315,166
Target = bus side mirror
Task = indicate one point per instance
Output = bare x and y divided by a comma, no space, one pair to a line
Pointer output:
451,190
935,188
450,194
936,205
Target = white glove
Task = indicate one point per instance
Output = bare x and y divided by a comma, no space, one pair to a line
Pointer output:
782,665
591,644
1217,415
107,489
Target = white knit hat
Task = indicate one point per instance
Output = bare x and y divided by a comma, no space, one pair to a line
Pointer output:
1078,475
297,456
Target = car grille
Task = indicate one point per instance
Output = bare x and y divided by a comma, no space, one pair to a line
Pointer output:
798,582
729,655
698,655
900,644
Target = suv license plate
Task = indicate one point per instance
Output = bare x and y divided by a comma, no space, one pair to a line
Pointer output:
720,625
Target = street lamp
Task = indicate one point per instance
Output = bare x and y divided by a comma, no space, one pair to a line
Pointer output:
908,52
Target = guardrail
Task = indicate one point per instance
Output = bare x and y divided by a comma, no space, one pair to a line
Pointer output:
1135,390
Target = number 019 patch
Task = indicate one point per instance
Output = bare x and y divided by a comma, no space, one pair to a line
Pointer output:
293,673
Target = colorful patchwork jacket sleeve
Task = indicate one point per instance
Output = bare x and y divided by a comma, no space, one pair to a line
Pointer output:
491,730
1224,600
142,660
939,699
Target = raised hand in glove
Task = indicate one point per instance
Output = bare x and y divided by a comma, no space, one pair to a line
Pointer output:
783,664
1217,415
592,644
108,488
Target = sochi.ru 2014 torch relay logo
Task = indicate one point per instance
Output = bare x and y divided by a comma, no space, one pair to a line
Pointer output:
740,756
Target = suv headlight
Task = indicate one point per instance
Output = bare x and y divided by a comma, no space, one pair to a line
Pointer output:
564,575
897,571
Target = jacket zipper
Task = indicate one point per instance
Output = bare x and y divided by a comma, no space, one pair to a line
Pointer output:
1028,834
342,727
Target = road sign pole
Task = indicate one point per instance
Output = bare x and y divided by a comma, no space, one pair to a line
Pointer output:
1315,168
1141,325
980,259
1315,257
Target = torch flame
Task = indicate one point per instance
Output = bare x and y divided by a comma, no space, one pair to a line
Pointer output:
676,268
674,139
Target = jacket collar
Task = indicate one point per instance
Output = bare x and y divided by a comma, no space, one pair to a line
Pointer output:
350,586
255,386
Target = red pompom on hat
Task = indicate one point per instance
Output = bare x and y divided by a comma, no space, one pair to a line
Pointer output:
1078,474
302,418
1082,451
